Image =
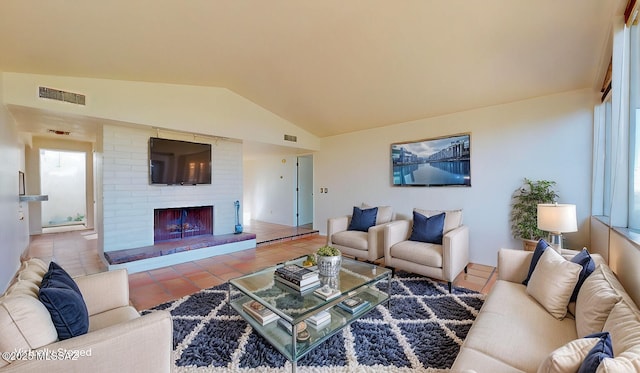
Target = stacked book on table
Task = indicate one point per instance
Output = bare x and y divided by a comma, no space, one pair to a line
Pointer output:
262,314
354,304
297,277
319,320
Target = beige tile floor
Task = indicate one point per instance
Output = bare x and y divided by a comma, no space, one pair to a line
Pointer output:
76,252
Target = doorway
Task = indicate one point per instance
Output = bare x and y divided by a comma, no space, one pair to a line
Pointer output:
304,191
63,179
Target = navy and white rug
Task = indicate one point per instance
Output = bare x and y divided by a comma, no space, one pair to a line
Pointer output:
421,332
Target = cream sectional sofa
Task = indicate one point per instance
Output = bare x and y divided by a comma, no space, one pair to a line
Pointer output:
118,340
515,333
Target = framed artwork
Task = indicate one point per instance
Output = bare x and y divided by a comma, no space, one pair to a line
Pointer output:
21,188
442,161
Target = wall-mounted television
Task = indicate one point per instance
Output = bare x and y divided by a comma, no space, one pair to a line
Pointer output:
178,162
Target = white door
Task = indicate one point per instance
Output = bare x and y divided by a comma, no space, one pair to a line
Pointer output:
305,190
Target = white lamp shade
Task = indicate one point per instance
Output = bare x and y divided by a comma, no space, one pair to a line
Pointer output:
559,218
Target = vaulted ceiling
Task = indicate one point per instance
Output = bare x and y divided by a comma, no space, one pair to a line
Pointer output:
330,66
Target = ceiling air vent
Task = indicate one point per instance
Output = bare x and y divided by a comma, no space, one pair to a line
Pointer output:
290,138
58,95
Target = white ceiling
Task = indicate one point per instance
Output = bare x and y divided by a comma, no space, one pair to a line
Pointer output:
330,66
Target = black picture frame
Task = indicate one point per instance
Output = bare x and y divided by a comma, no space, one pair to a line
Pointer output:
21,187
440,161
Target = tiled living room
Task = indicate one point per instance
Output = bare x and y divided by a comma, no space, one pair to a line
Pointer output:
217,141
79,256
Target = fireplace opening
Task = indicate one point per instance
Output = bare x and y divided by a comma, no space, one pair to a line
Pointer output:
182,222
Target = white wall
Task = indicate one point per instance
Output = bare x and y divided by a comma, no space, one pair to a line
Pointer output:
13,231
542,138
270,189
128,200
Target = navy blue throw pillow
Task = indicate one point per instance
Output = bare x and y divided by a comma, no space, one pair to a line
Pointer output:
599,352
57,273
62,298
427,229
588,266
537,253
362,220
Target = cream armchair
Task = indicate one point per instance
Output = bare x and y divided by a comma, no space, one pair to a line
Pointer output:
442,262
365,245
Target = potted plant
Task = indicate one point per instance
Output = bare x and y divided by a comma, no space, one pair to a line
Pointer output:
524,210
329,259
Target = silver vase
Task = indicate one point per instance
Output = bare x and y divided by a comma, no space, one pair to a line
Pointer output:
329,265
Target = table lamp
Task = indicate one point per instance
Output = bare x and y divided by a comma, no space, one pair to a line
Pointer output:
557,219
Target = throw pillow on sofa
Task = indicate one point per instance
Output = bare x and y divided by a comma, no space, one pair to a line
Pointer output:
362,220
597,296
569,357
427,229
62,298
583,258
553,281
588,266
537,253
623,324
602,350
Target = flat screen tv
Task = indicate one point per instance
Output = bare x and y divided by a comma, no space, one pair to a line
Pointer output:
174,162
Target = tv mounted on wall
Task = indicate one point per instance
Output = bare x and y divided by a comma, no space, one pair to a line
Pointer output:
179,162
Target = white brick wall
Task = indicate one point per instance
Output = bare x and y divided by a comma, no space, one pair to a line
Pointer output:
129,199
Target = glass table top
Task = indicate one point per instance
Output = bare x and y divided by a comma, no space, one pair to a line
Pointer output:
293,305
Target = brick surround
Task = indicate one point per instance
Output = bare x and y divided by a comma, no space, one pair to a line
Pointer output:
129,200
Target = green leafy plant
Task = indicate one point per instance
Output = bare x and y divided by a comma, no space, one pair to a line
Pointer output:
524,208
328,251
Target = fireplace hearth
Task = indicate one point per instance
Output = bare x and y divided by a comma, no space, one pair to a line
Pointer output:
182,222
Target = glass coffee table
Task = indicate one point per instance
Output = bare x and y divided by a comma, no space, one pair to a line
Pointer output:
260,289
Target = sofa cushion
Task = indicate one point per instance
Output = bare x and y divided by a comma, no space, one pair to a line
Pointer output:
452,219
25,287
362,220
25,324
553,281
597,296
427,229
34,264
537,253
353,239
515,330
602,350
112,317
422,253
62,297
623,324
385,213
588,266
569,357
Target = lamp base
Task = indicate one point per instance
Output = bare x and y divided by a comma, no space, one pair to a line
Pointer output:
555,241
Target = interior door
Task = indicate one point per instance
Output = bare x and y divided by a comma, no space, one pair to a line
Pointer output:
305,190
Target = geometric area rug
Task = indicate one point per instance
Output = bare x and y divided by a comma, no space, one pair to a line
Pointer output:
421,331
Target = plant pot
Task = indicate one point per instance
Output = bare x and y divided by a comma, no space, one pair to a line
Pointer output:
529,245
329,265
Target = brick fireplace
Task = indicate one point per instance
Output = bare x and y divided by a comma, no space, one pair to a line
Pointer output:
182,222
